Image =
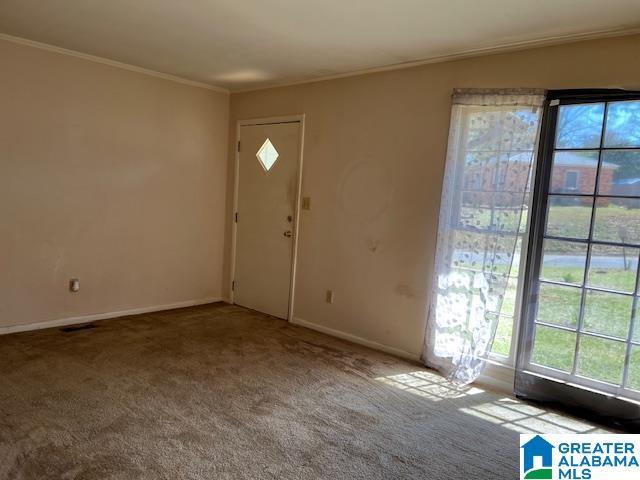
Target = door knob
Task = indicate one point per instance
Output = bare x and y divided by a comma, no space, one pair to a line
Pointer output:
288,234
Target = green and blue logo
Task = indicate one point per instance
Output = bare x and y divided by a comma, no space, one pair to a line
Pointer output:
537,459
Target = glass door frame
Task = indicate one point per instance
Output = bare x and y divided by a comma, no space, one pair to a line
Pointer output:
542,180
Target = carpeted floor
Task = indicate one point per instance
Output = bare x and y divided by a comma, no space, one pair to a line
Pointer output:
221,392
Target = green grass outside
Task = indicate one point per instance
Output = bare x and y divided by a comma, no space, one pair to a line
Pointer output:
612,279
615,223
598,359
604,313
612,223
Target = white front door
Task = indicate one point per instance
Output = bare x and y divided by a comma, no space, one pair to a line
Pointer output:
267,192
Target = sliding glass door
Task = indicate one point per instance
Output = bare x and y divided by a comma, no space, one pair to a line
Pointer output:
581,316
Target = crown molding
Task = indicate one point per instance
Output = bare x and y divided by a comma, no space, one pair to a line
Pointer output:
477,52
111,63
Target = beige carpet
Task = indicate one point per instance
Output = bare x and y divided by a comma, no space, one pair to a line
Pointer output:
220,392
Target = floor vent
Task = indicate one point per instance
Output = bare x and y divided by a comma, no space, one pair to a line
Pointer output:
75,328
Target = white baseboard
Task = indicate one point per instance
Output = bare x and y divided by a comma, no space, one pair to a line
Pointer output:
102,316
496,377
355,339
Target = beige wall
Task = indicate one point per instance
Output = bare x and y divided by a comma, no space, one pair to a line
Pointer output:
121,179
111,176
374,159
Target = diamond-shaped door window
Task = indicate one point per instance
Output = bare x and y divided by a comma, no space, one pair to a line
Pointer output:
267,155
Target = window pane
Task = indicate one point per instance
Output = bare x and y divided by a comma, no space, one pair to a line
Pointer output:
569,217
580,126
513,172
617,220
634,369
483,129
601,359
613,268
480,170
564,261
500,256
502,339
620,173
267,155
473,218
508,212
509,301
521,128
623,124
554,348
559,305
607,313
574,172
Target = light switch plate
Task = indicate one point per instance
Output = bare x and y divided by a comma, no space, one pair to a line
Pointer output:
306,203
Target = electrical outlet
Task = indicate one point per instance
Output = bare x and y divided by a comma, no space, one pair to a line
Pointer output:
329,296
74,285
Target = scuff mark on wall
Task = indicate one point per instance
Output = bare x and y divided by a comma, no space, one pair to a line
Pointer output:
372,245
405,290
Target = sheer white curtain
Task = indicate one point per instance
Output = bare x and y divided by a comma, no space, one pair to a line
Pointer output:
492,142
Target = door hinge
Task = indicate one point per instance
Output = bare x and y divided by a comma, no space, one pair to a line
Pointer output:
238,145
233,285
236,219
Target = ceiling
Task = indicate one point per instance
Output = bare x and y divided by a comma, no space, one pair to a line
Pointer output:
245,44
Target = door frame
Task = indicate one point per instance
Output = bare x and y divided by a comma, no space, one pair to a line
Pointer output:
298,118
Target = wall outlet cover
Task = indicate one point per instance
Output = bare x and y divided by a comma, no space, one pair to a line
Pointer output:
329,296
